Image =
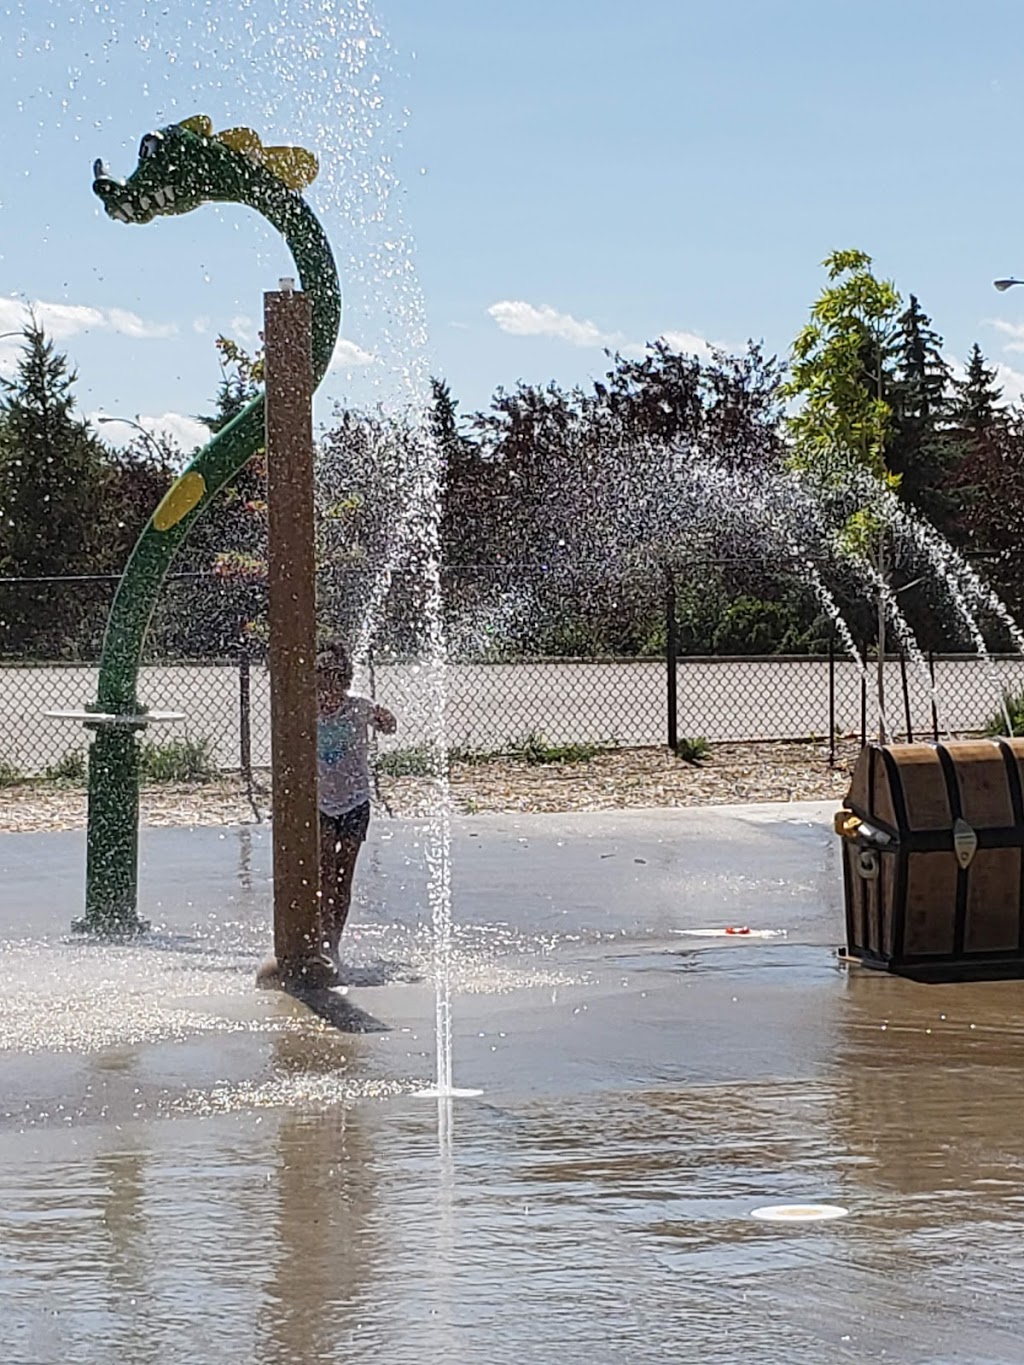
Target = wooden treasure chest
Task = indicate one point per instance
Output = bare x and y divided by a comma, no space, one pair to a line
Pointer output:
933,858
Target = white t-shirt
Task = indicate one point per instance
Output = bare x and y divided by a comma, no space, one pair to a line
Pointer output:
342,756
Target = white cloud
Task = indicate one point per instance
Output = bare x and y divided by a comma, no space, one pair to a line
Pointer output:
131,325
201,325
1010,329
525,319
243,328
185,432
1011,381
63,320
349,356
687,342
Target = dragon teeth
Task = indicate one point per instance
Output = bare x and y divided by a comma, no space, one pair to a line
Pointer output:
128,211
170,194
158,195
144,203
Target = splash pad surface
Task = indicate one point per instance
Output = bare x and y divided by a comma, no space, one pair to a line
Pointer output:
195,1162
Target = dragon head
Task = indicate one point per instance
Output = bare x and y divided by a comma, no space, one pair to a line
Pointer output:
187,164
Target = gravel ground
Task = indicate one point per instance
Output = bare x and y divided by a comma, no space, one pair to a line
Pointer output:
733,773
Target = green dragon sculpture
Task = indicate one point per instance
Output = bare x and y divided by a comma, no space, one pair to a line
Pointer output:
180,168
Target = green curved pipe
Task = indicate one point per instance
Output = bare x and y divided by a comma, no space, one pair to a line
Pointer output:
180,168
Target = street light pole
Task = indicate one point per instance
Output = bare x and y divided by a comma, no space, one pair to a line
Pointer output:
1004,285
147,436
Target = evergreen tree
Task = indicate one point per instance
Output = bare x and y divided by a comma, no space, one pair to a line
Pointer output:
55,518
53,470
466,483
976,407
989,486
920,448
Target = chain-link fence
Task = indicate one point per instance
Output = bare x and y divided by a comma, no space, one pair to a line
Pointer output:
204,660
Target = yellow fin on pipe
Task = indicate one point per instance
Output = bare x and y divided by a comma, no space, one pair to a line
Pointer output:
293,166
243,140
179,500
198,123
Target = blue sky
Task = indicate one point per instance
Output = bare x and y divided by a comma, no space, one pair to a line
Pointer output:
569,175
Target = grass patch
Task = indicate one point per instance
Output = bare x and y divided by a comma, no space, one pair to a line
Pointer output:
70,767
10,775
535,750
468,757
694,750
177,760
417,761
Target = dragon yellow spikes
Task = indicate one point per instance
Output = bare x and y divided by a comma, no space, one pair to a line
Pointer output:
293,166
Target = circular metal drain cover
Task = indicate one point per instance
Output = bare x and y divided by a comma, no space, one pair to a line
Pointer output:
799,1213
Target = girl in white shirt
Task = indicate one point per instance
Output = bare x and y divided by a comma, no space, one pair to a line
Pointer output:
344,723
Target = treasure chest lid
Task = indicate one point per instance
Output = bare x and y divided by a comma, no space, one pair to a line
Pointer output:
917,788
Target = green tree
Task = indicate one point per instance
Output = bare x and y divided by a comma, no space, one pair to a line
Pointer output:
467,484
921,448
56,520
842,372
976,407
984,479
224,608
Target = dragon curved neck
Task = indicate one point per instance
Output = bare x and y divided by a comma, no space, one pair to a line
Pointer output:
224,456
314,260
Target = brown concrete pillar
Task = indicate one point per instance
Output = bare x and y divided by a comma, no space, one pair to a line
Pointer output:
291,575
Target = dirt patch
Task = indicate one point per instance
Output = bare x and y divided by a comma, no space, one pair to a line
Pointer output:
622,778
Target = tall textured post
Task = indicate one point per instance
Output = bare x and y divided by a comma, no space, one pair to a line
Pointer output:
671,660
298,957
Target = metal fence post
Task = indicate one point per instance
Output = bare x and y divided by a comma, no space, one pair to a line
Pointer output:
935,710
671,659
245,717
906,694
832,701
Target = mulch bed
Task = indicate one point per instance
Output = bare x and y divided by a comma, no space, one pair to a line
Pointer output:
620,779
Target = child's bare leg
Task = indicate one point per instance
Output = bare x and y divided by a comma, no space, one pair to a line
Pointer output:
336,915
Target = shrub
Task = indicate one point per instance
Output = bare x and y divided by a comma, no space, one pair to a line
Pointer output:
534,749
70,767
1014,704
693,750
177,760
10,776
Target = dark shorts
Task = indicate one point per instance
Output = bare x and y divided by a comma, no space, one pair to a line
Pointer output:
352,825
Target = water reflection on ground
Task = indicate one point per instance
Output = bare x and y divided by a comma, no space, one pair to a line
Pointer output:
250,1184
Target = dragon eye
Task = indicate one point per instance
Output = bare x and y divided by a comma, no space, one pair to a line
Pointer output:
149,145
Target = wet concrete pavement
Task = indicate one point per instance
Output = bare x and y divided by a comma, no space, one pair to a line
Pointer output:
191,1170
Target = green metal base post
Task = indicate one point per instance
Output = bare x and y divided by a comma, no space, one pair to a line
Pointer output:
112,841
